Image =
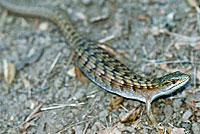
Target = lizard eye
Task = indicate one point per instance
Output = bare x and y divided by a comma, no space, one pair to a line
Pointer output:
174,81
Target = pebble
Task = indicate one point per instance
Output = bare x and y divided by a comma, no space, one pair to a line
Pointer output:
75,111
103,114
196,128
197,105
66,93
79,95
101,106
22,97
9,20
70,115
63,93
186,115
89,131
43,26
79,129
58,82
168,111
177,104
58,126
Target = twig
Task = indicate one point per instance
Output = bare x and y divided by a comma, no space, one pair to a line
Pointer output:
51,68
183,37
36,110
99,18
108,38
86,127
62,105
31,116
54,62
67,127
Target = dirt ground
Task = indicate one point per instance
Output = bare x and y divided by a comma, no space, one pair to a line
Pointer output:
154,37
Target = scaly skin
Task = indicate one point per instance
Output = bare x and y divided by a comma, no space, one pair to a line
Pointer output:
100,66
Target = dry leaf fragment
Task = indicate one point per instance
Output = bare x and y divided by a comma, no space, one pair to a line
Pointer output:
115,102
71,72
9,72
131,115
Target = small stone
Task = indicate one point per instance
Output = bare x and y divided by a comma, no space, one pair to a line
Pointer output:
89,131
79,95
177,104
22,98
59,126
66,93
9,20
63,93
103,114
70,115
79,129
186,116
168,111
197,105
75,111
58,82
155,30
43,26
196,128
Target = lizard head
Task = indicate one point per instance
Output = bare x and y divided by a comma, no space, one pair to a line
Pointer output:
170,83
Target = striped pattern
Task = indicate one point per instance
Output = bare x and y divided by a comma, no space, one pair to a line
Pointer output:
97,64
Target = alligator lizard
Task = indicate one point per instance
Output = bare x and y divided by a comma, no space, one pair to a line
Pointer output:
100,66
